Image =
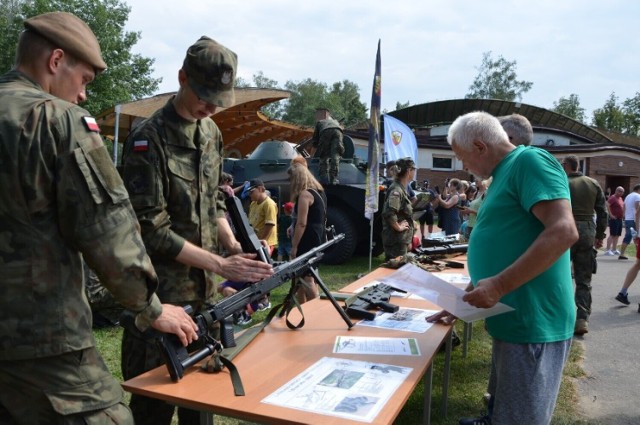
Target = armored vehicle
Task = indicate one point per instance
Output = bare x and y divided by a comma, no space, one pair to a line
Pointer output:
345,201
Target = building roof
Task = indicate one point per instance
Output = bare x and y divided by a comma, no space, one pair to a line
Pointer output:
445,112
243,126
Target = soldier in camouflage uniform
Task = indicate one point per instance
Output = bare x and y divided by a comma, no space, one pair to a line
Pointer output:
327,138
62,200
172,163
586,197
397,213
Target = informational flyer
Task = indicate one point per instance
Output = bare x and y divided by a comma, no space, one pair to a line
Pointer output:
373,346
405,319
350,389
413,279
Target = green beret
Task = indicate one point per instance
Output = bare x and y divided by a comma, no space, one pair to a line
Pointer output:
69,33
211,71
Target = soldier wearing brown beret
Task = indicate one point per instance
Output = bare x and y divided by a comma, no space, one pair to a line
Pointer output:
62,201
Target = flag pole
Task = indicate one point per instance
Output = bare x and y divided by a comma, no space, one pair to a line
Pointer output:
372,187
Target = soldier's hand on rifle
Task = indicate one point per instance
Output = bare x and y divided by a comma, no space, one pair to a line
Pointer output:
175,320
244,268
443,317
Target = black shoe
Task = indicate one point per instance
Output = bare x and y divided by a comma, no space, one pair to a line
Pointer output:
622,257
483,420
624,299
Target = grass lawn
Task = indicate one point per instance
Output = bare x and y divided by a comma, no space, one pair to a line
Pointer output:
469,375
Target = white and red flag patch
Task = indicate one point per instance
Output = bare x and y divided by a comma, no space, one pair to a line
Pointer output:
140,146
91,124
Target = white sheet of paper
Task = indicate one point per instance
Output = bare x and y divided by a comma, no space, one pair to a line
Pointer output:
373,345
405,319
420,282
350,389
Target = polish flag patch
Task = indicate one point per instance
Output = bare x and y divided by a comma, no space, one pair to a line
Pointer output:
91,124
140,146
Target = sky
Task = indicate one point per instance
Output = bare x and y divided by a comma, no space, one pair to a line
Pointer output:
430,49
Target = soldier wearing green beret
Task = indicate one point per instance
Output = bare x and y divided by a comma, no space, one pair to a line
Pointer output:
62,201
172,163
397,212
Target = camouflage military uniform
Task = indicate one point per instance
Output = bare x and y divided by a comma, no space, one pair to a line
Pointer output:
60,196
586,197
397,208
327,137
171,168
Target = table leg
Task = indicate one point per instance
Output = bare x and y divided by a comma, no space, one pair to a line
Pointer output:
446,372
206,418
427,380
468,329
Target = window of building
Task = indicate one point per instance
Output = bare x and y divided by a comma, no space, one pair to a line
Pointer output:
442,162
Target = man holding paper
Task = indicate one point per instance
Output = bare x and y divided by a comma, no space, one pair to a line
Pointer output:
528,212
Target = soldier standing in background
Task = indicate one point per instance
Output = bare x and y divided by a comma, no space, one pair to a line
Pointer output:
61,199
397,212
327,138
586,197
172,164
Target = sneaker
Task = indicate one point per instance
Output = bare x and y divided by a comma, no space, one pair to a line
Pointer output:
241,318
609,253
264,305
616,252
624,299
581,328
622,257
483,420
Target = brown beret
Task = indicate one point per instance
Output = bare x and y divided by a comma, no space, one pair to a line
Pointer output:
70,33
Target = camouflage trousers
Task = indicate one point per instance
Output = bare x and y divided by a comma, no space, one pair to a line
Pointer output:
582,259
140,355
72,388
330,150
396,244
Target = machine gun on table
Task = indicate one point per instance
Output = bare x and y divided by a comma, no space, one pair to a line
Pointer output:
376,296
178,358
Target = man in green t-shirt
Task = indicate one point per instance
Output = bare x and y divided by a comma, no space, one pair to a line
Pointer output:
527,213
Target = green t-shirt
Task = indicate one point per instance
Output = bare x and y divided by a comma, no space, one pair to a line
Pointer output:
505,228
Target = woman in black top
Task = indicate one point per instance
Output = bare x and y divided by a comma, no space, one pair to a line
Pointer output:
311,212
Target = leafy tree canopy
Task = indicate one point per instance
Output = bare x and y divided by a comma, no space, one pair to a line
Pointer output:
128,76
610,117
342,99
570,107
497,79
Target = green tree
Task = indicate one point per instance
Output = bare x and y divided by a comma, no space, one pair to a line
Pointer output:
342,100
610,117
631,111
128,76
569,107
400,105
497,79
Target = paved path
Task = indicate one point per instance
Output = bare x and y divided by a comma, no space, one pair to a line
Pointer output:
610,393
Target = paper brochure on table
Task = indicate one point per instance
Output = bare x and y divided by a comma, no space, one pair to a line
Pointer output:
375,345
350,389
405,319
413,279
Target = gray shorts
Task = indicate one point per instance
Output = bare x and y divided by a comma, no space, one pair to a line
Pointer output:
525,381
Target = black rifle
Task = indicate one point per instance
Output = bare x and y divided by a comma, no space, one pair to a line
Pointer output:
244,232
443,249
374,297
176,355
